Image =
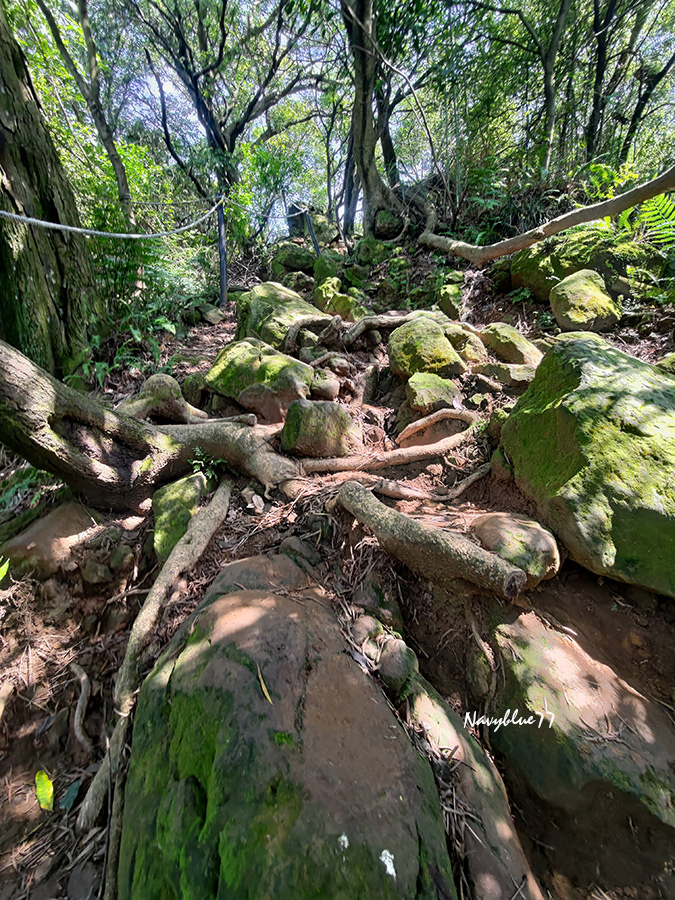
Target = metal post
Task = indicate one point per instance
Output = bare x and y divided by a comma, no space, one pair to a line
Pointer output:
311,232
222,252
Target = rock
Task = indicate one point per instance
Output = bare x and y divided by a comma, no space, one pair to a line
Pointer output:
598,738
325,385
298,282
541,267
450,299
293,257
161,398
326,266
356,275
320,429
94,571
232,794
371,252
428,393
269,310
500,467
348,308
322,293
211,314
122,559
521,541
259,377
371,596
581,303
398,665
193,389
468,346
509,374
258,573
173,506
301,553
592,442
46,547
339,365
387,225
667,363
421,346
366,628
507,343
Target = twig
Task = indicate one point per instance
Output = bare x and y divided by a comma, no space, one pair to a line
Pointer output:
458,489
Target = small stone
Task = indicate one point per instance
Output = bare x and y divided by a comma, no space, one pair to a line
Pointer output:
450,299
339,365
507,343
509,374
500,467
421,346
95,572
320,429
366,628
522,542
428,393
374,337
325,385
580,302
398,664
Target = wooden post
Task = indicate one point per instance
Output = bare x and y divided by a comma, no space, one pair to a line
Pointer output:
222,252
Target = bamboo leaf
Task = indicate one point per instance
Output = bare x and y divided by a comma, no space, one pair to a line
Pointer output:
264,686
44,790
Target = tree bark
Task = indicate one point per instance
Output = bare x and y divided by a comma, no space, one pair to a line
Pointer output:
481,255
46,280
114,460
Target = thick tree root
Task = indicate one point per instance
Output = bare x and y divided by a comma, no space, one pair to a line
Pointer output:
434,553
440,415
161,396
497,865
400,457
183,557
304,322
369,323
393,489
78,724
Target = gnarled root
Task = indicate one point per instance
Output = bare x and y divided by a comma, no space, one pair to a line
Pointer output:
434,553
183,557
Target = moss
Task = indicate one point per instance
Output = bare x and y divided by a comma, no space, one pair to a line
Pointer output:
421,346
468,346
427,393
324,291
580,303
593,442
450,299
243,363
507,343
283,738
269,310
173,506
371,252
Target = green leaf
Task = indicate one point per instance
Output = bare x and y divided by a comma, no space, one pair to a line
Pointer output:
44,790
4,568
70,796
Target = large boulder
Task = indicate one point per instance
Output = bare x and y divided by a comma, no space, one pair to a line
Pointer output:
266,764
542,266
421,346
259,377
468,346
594,745
592,442
581,303
507,343
293,257
321,429
268,311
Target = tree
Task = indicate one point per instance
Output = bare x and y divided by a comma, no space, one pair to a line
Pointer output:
46,280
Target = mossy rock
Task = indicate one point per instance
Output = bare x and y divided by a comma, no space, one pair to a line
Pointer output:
667,363
357,275
428,393
242,366
468,345
327,265
511,375
230,794
421,346
371,252
292,257
173,506
269,310
345,306
450,299
322,293
387,225
320,429
592,442
521,541
576,703
580,303
507,343
542,266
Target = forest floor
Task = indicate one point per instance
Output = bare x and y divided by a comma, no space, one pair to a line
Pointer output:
47,625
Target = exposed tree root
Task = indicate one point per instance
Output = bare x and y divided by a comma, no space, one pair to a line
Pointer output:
458,489
400,457
78,723
440,416
368,323
182,558
161,397
304,322
436,554
393,489
497,865
6,691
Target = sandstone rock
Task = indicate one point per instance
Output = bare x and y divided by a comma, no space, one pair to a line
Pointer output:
592,442
507,343
581,303
320,429
421,346
521,541
259,377
232,794
428,393
45,548
269,310
509,374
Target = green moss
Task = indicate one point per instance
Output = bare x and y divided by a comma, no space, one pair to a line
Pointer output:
421,346
243,363
173,506
269,310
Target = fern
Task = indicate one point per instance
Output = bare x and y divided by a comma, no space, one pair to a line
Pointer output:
657,217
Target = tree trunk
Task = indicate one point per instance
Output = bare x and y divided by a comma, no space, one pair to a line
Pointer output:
352,186
360,24
46,281
651,82
117,461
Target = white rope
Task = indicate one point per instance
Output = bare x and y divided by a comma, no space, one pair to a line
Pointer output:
90,232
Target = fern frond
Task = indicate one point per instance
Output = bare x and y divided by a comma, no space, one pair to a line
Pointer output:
657,217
